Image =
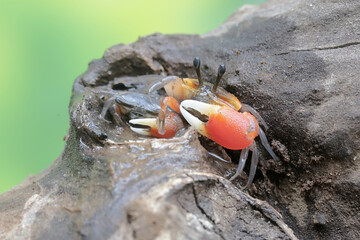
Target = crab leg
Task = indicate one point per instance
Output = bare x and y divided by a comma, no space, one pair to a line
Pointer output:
242,161
162,83
161,121
110,105
247,108
266,144
169,106
254,163
163,114
218,157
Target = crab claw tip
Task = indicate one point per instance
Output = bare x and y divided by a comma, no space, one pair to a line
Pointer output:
143,126
197,114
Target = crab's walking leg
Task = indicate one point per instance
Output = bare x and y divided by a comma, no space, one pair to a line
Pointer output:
106,107
163,114
218,157
169,106
266,144
247,108
254,163
161,123
162,83
110,105
242,161
115,113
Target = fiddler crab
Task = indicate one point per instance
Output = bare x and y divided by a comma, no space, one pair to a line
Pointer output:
210,109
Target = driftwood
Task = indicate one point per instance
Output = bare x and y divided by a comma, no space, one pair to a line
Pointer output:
296,62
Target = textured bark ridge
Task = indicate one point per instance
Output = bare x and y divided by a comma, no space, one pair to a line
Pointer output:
296,62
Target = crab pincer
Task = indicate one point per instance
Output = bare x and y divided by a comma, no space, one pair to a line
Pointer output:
166,125
231,129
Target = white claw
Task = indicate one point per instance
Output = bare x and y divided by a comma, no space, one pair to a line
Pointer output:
141,131
203,108
150,122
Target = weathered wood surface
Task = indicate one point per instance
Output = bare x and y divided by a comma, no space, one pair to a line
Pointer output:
296,62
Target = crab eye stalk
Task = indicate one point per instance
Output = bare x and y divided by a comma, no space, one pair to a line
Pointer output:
196,63
221,72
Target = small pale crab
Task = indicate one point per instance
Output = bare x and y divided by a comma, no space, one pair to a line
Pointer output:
136,106
212,111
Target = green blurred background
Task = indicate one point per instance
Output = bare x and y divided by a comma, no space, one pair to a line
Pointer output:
45,45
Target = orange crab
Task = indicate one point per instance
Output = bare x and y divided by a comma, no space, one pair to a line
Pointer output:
214,113
231,129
